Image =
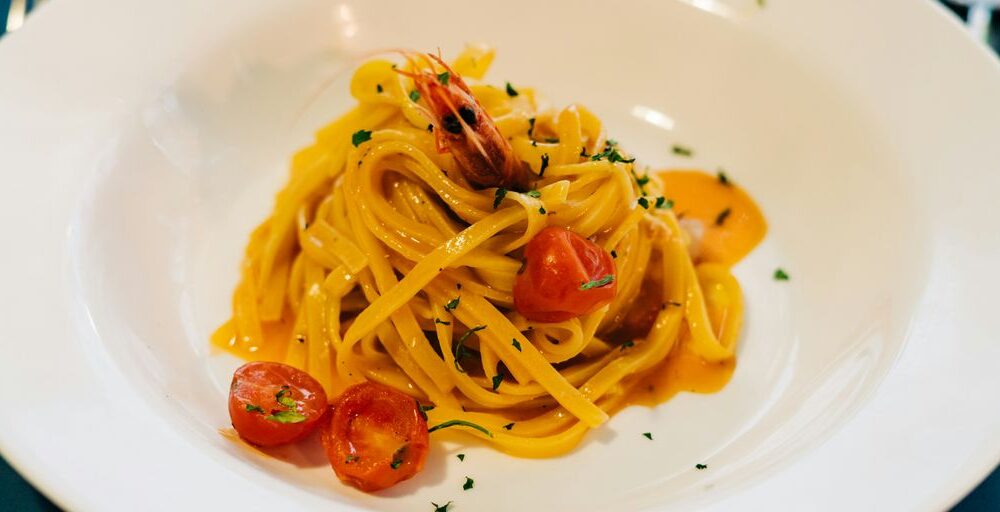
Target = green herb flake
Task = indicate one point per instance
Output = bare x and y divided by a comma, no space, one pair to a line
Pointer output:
643,202
286,417
283,399
442,322
469,484
531,126
255,408
701,466
422,409
511,91
723,179
452,304
648,435
723,215
461,457
361,136
497,379
460,351
597,283
350,459
627,344
612,155
682,150
614,253
441,508
642,180
663,203
444,77
461,423
508,426
498,197
545,164
533,193
378,88
541,210
396,463
414,95
517,344
780,275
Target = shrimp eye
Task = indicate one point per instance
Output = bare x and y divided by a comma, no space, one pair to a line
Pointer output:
451,124
468,115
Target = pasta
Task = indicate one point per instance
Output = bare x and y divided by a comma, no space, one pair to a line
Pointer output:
381,261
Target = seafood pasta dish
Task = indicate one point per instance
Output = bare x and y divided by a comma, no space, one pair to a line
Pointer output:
451,253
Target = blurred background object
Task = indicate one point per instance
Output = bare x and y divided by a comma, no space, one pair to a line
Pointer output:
18,495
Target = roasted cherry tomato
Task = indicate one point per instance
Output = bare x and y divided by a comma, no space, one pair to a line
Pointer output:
273,403
564,276
376,437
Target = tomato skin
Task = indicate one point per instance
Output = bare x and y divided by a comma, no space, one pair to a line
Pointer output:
371,427
257,384
557,262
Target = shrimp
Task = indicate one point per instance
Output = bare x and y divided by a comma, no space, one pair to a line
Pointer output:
463,128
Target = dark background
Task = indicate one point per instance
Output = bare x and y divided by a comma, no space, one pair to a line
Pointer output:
18,495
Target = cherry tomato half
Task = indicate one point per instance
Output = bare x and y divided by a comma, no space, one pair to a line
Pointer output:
273,403
564,276
376,437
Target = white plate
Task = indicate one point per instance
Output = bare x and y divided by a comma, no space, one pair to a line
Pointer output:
140,144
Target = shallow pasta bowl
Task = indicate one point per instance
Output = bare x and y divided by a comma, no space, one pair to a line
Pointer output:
141,145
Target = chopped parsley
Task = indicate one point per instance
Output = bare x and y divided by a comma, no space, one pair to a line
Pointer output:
627,344
444,77
517,344
350,459
423,409
642,180
497,379
461,456
531,126
469,483
286,417
414,95
511,91
452,304
461,423
597,283
723,179
361,136
284,400
649,435
664,203
723,215
643,202
682,150
442,322
378,87
460,351
612,155
508,426
534,193
780,275
705,466
551,140
255,408
614,253
541,210
498,197
441,508
396,463
545,163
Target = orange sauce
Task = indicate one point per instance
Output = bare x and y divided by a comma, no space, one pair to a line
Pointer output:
276,336
728,237
702,196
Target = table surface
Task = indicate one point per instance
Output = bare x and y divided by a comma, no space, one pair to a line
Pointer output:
19,495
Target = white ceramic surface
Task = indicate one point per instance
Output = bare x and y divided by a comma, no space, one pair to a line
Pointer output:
140,145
